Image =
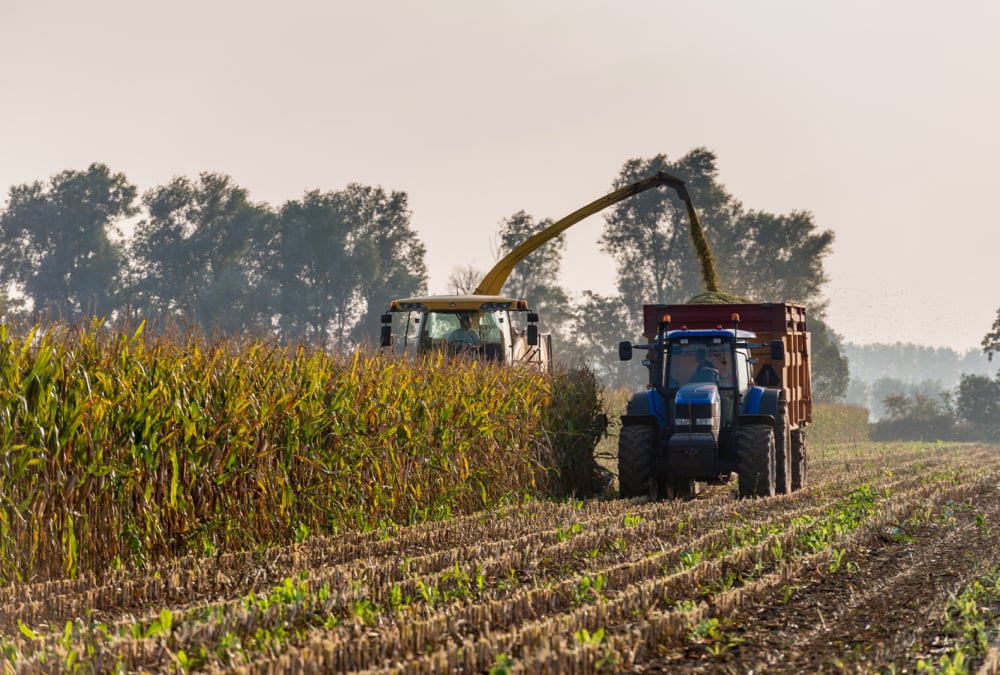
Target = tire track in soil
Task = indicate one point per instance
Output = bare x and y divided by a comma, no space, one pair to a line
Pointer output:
889,610
890,591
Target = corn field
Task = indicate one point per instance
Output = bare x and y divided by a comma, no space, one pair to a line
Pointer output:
120,451
309,519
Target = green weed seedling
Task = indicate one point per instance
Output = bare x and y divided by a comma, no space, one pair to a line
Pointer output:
186,663
502,665
588,590
585,637
431,594
365,612
619,545
777,554
685,605
633,520
596,639
716,641
689,559
162,625
397,601
564,534
837,563
459,584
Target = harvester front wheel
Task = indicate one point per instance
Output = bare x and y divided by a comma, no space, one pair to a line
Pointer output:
635,459
755,458
799,459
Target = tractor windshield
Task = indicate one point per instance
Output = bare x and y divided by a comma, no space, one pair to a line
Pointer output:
708,360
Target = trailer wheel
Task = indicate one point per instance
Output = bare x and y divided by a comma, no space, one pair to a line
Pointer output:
755,457
782,451
799,459
635,459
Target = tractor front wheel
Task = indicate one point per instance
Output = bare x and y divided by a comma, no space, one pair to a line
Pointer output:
755,458
635,459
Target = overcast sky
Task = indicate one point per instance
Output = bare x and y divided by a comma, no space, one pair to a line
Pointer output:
881,118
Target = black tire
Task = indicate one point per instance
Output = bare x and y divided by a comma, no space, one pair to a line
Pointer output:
755,460
782,451
635,459
799,459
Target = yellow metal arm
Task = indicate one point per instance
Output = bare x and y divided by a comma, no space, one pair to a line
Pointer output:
497,277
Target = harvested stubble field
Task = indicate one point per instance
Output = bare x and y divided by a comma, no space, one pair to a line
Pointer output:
889,561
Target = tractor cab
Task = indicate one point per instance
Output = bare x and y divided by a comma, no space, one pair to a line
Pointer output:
706,376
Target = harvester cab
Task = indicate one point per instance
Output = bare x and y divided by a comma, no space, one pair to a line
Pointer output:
492,328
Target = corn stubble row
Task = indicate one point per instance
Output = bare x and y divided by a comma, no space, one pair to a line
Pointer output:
122,450
537,583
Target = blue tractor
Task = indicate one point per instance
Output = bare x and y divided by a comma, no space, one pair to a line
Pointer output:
719,402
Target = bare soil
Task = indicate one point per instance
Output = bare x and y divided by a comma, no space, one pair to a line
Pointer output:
851,574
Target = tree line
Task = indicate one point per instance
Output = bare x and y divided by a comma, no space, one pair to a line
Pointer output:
202,253
969,410
322,268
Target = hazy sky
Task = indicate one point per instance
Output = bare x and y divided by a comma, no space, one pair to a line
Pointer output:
881,118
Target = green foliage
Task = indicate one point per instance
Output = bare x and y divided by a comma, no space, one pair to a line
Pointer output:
537,276
585,637
205,255
991,341
146,447
576,421
197,254
916,418
829,366
759,256
502,666
978,402
589,590
711,635
971,624
339,258
970,413
56,243
598,323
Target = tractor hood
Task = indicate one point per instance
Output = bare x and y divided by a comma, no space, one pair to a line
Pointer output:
698,408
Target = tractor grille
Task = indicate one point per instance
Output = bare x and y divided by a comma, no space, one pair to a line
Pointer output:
694,418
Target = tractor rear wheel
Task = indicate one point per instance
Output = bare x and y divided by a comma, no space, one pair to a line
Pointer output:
799,459
782,451
635,459
755,458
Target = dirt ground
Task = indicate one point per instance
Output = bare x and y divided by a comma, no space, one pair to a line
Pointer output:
858,572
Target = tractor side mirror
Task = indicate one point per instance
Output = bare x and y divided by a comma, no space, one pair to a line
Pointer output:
625,351
532,317
385,339
387,318
532,334
777,350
